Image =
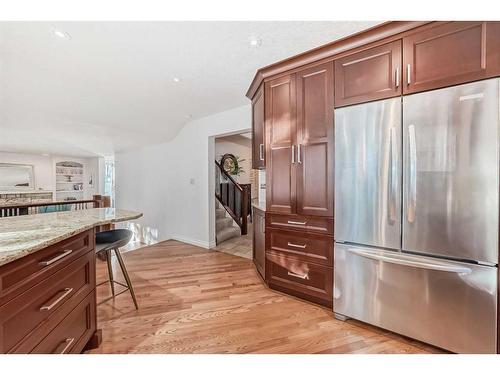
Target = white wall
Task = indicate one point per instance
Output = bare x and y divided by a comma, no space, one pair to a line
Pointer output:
178,201
44,170
143,184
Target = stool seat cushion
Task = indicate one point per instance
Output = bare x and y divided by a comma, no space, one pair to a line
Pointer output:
112,239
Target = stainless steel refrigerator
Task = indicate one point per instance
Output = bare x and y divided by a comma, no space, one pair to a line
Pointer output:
417,215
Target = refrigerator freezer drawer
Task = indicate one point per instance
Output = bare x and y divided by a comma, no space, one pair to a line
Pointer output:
448,304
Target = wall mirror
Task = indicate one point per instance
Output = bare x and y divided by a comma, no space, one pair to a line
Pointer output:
16,177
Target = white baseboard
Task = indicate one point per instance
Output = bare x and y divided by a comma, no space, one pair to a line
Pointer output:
191,241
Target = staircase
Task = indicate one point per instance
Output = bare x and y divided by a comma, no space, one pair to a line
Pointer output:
232,205
224,228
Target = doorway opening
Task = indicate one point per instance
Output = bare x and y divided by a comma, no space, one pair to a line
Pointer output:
236,186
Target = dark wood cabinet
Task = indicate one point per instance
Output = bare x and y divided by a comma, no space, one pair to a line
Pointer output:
314,162
299,180
309,224
299,125
40,295
73,333
259,241
280,105
449,54
309,247
368,75
258,135
303,279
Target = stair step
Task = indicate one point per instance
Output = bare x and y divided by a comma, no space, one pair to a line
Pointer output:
220,213
227,233
222,223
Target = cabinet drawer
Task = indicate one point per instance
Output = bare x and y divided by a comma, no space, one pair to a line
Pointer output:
72,334
314,224
309,247
305,280
20,317
20,275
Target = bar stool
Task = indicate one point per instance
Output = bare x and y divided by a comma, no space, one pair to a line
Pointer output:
112,240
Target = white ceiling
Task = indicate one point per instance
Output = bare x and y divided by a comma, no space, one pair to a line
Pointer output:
110,87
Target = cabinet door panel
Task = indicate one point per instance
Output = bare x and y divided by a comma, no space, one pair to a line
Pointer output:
315,141
280,130
368,75
259,244
258,141
450,54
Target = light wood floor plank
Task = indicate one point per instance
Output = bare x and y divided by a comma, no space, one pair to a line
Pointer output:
199,301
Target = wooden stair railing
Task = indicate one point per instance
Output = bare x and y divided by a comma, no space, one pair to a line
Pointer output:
233,197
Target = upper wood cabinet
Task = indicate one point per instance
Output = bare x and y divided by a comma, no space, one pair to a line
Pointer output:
315,140
450,54
299,126
368,75
280,105
258,136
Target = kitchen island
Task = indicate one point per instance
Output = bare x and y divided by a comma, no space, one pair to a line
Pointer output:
47,280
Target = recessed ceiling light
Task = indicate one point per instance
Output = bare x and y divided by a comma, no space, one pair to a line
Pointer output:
45,154
255,42
176,80
188,117
61,34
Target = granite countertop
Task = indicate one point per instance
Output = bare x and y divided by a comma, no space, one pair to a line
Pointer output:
23,235
259,205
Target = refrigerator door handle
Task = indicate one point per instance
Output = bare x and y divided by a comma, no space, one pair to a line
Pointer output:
412,261
412,196
393,182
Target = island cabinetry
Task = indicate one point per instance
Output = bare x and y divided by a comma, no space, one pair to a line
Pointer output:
47,297
23,273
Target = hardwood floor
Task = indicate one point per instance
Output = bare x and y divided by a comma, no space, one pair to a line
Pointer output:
199,301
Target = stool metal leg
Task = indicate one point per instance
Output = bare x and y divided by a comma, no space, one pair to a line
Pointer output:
127,278
110,271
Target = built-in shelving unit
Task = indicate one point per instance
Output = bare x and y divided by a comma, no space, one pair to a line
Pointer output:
69,180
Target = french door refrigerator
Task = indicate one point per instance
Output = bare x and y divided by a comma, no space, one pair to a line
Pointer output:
416,215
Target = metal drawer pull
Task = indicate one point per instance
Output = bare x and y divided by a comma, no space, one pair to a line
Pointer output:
261,151
67,291
408,74
55,259
397,77
297,222
299,154
295,245
67,343
303,277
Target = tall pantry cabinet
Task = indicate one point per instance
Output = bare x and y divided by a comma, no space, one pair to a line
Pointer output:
299,182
